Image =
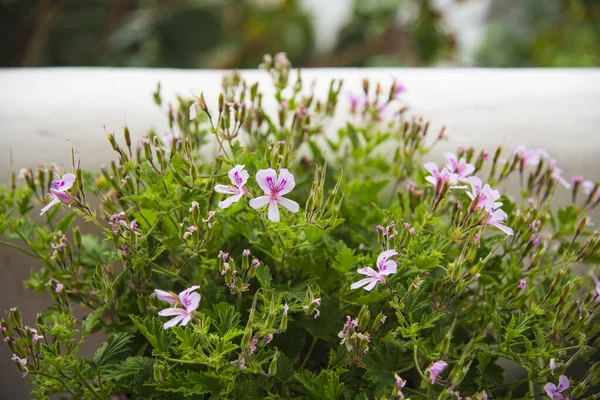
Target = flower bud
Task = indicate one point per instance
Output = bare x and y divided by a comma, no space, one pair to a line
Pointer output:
273,365
364,316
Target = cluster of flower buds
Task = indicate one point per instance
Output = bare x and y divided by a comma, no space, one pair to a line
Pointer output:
355,335
413,134
196,231
373,103
319,210
236,279
590,190
280,154
394,236
279,68
25,343
410,198
312,301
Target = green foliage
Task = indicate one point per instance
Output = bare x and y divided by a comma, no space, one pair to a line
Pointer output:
266,310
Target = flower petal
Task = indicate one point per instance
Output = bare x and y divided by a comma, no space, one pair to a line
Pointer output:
167,312
371,285
259,202
291,205
263,177
563,383
431,167
68,180
229,201
361,283
285,182
172,322
503,228
383,257
390,267
186,319
226,189
53,202
550,389
238,176
273,212
190,300
166,296
368,271
193,109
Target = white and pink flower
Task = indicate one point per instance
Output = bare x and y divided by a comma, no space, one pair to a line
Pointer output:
436,369
555,392
460,167
239,178
188,299
275,187
58,191
385,267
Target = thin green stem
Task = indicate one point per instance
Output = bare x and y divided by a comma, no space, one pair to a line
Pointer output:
14,246
310,350
416,359
58,379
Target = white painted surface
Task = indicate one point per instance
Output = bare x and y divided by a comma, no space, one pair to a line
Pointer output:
41,110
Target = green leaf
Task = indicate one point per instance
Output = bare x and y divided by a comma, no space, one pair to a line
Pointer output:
345,260
113,349
66,222
152,329
130,367
91,320
263,274
196,383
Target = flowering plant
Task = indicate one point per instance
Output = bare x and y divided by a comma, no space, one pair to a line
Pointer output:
276,262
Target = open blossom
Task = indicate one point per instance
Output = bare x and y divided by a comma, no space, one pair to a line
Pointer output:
528,157
485,195
385,267
439,178
435,369
58,191
275,187
21,361
188,299
587,187
522,284
497,218
400,383
459,166
555,392
238,177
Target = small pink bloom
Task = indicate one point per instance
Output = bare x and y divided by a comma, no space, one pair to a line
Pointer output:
439,178
188,299
168,140
522,284
496,218
255,263
383,319
268,338
400,383
459,166
485,195
398,89
385,267
528,157
222,255
7,339
275,187
246,253
58,191
189,231
435,369
552,365
21,361
555,392
356,101
587,187
238,177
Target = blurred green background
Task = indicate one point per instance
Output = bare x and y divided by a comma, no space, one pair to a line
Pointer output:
314,33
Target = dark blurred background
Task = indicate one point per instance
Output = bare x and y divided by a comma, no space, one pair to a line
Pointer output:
314,33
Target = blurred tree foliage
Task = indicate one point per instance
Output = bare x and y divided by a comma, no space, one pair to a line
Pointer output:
542,33
235,33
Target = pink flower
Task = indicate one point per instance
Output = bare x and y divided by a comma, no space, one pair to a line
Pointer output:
238,177
435,369
356,101
399,88
168,140
187,299
275,187
21,361
58,191
241,363
522,284
496,218
460,167
246,253
384,265
439,178
587,187
528,157
552,365
400,383
485,195
555,392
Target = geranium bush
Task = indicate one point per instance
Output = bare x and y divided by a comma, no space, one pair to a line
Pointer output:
248,255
